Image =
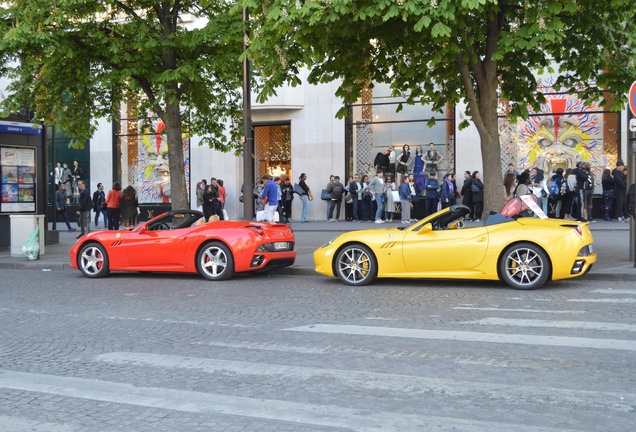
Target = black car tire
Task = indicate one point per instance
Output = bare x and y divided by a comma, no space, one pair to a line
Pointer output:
356,265
92,260
215,261
524,266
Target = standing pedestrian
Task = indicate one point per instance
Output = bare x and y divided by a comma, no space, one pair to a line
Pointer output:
287,192
557,192
364,196
432,194
376,186
540,188
129,207
269,197
222,192
200,190
354,189
304,197
607,181
478,195
60,205
113,200
569,194
84,210
99,205
448,191
509,183
467,194
404,192
620,188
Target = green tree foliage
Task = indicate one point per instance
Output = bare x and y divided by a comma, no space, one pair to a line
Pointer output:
73,61
439,51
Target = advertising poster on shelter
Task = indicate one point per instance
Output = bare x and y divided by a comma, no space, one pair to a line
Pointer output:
17,171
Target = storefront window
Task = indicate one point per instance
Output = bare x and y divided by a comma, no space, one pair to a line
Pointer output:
376,126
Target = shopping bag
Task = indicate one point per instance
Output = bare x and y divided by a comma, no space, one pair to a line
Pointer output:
31,248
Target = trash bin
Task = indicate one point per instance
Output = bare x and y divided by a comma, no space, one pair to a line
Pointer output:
22,226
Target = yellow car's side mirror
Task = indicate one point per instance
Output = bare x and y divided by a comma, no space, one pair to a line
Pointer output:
426,228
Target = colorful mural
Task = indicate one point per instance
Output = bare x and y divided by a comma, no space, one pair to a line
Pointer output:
564,132
154,166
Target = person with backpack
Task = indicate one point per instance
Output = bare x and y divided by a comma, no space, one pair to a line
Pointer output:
557,192
337,192
569,193
579,205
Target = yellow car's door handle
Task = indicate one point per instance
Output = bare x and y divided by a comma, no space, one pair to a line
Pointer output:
481,239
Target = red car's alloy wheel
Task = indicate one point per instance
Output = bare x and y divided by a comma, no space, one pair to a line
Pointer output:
93,260
215,261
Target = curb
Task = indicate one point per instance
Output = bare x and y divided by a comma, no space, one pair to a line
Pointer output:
293,271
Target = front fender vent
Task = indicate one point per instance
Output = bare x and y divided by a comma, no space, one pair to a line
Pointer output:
388,245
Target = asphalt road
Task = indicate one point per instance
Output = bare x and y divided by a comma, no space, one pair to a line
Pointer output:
296,353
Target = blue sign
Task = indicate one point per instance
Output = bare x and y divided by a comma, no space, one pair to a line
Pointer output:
20,128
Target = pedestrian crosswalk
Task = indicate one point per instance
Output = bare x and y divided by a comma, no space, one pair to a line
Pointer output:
500,368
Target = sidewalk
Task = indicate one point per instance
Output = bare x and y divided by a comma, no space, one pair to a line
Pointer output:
611,243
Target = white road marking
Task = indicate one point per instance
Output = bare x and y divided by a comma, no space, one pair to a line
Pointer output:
209,403
605,300
554,324
488,309
560,341
390,382
614,291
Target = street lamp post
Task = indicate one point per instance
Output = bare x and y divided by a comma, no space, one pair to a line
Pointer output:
248,137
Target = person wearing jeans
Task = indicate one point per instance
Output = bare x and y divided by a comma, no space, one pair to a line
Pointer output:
376,186
304,197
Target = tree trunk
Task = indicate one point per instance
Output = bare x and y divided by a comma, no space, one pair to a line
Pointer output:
491,157
490,151
178,190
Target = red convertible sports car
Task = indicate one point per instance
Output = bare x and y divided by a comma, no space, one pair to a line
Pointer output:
181,241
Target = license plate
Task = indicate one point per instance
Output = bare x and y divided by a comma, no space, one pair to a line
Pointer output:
280,245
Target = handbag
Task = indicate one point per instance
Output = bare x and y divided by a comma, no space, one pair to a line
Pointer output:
310,195
298,190
264,200
325,196
349,198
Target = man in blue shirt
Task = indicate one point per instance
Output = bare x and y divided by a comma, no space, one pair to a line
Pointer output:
270,191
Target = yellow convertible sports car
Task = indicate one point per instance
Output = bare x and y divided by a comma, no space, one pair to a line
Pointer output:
523,252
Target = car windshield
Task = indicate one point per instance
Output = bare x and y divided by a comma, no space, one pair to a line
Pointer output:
175,220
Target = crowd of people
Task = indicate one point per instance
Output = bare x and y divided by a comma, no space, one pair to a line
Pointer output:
571,191
375,199
115,209
399,185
